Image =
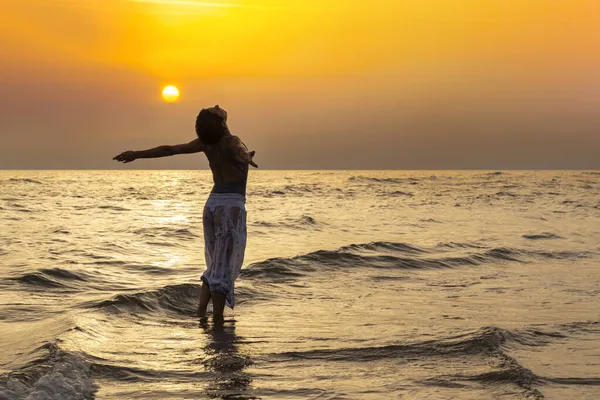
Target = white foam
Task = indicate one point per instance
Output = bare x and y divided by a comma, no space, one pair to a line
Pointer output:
70,378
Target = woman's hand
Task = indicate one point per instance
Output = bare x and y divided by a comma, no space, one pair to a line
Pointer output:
126,157
251,156
246,156
240,151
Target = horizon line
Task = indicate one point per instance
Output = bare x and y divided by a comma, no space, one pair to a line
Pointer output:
313,170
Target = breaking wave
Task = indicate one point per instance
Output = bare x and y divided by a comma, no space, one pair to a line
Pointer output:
56,375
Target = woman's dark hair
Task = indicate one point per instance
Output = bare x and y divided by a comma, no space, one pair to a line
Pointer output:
210,127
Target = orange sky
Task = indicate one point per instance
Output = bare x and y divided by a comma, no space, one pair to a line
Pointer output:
308,84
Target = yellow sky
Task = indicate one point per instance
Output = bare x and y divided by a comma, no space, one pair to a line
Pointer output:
423,54
188,38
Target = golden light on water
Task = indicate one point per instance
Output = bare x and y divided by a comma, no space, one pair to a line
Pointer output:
170,94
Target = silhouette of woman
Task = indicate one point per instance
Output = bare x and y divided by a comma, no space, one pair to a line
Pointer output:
224,216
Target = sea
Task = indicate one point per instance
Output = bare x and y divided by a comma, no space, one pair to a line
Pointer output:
356,285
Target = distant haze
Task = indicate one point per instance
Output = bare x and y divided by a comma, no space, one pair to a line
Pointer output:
340,84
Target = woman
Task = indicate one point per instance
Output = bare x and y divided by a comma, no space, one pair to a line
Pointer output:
224,215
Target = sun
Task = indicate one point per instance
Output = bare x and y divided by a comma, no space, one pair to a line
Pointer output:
170,94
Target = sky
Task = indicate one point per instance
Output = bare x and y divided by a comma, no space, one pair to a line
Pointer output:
308,84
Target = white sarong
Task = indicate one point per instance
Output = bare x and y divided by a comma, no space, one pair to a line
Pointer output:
224,221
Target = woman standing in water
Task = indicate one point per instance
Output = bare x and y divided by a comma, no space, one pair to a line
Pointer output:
224,216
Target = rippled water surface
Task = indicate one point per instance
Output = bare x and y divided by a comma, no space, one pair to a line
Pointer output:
357,285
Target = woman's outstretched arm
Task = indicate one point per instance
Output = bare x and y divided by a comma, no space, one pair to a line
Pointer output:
195,146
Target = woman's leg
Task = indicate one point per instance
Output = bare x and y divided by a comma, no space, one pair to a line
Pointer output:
209,249
218,305
220,277
204,299
228,242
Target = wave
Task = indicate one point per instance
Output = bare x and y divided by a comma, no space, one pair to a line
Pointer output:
487,343
582,327
484,341
388,255
275,269
304,188
180,299
51,278
568,202
355,255
38,279
65,274
131,374
497,173
458,245
163,231
113,208
398,193
370,179
507,194
305,221
507,370
56,375
24,180
19,208
431,220
295,190
177,300
385,246
541,236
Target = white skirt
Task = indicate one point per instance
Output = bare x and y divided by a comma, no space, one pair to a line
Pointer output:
225,234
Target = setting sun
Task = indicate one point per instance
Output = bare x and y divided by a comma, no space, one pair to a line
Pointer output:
170,94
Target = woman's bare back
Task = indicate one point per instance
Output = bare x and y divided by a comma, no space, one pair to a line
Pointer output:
229,160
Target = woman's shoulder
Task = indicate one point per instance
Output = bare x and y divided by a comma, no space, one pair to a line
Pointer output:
232,139
233,142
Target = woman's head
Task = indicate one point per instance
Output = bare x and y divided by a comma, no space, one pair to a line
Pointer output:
211,125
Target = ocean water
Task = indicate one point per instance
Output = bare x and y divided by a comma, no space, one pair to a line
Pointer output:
357,285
